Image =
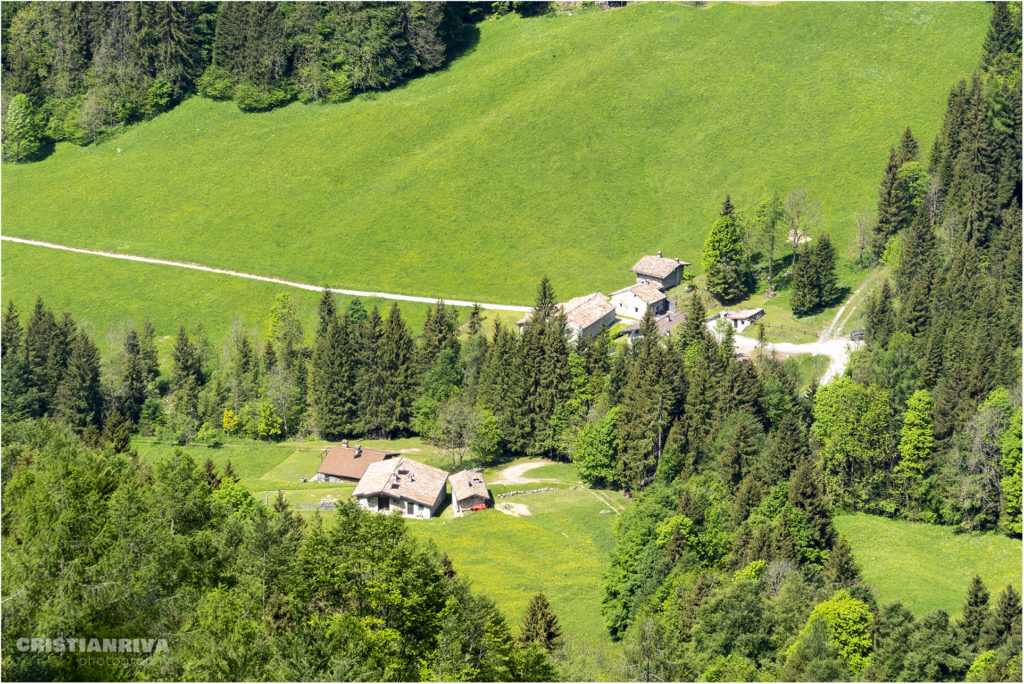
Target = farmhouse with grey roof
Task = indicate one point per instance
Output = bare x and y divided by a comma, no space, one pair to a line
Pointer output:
662,272
635,300
584,315
414,489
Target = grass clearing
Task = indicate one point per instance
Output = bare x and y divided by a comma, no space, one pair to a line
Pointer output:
929,567
562,549
474,181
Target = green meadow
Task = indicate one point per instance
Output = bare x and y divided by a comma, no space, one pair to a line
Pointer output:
929,567
562,145
102,294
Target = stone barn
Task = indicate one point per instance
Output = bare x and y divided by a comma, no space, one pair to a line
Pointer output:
468,490
414,489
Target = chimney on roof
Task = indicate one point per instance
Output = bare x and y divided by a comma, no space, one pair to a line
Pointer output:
659,253
359,450
344,443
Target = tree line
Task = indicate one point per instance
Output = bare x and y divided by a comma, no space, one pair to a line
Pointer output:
239,591
73,71
729,568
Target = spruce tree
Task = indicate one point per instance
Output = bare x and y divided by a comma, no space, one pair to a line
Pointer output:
807,496
132,388
147,347
10,333
41,383
740,391
894,210
841,570
475,320
693,330
78,401
789,448
15,399
738,455
975,613
229,472
540,625
440,331
1003,36
1004,622
723,260
209,474
826,280
909,149
397,373
802,298
186,363
880,318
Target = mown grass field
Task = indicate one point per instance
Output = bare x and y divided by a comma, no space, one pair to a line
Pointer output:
103,293
929,567
565,146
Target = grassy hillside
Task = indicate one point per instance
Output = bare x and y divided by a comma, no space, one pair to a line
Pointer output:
103,293
928,567
560,145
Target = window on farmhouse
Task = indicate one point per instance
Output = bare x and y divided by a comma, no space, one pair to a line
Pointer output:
411,508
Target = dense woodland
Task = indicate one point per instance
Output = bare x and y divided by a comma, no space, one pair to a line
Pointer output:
726,566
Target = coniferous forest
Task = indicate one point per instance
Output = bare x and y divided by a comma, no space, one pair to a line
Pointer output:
726,567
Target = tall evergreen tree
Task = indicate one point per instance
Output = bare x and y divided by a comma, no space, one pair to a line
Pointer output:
975,613
397,374
723,258
807,495
540,625
738,455
841,570
132,387
1004,622
894,209
78,401
147,348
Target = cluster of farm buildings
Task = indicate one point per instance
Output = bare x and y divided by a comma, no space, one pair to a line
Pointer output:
655,276
387,481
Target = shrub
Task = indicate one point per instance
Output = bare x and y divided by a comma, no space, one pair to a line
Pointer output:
339,87
250,98
217,83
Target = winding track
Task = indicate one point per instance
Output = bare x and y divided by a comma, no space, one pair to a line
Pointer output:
253,276
836,348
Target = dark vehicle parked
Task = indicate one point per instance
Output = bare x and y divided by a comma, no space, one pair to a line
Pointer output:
857,335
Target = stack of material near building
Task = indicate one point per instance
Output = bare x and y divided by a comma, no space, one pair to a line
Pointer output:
468,490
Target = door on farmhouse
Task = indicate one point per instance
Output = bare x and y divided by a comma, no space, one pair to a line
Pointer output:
410,508
383,503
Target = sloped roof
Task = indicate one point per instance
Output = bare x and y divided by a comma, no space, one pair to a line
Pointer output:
645,291
582,312
657,266
402,478
666,323
341,461
468,483
744,314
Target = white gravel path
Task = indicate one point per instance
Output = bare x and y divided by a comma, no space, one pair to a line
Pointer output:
513,475
252,276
